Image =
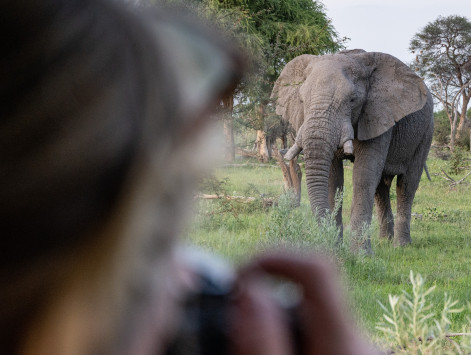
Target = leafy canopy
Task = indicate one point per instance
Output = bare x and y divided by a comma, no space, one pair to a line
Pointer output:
285,28
443,50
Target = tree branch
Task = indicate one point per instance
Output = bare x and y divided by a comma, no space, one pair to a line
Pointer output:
453,181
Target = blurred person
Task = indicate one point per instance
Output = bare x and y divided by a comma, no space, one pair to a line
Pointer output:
103,118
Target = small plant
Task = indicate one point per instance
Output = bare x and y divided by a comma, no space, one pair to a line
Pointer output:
458,161
211,184
409,325
441,131
223,203
463,141
299,228
434,213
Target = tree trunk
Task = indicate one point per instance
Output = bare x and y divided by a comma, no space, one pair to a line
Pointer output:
262,146
269,146
464,124
453,129
228,103
261,136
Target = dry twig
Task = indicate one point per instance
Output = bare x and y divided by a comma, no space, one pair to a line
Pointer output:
266,201
453,182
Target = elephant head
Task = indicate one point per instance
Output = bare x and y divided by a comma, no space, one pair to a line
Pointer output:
332,100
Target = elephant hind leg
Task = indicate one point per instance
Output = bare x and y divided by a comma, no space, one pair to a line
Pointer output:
383,208
405,189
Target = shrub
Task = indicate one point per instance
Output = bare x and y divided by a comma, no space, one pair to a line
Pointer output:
441,132
458,160
410,327
299,228
463,140
225,210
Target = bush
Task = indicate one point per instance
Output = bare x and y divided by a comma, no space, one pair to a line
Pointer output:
299,228
462,140
441,133
458,160
225,211
410,327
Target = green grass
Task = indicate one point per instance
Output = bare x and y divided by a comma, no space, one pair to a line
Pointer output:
440,251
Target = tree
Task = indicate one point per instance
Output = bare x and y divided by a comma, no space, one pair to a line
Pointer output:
443,58
235,23
286,29
272,32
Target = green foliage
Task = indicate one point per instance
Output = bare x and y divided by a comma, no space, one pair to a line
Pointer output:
463,139
443,49
212,185
458,161
439,251
441,132
271,32
300,25
226,209
443,59
410,326
434,213
283,29
293,227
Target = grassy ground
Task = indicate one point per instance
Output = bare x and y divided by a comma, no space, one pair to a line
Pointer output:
440,231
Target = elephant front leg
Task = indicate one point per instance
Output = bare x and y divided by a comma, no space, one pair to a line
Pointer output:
367,172
383,208
405,190
336,181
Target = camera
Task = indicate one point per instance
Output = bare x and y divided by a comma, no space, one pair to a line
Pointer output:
204,325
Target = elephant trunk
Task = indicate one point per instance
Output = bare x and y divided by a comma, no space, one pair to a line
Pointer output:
319,150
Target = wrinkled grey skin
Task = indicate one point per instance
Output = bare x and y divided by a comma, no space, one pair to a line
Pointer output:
369,108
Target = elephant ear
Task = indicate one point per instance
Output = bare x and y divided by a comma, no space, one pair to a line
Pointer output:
395,91
289,103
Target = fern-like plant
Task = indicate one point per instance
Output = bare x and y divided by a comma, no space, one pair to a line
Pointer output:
411,327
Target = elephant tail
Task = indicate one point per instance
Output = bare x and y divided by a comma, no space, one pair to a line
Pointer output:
426,172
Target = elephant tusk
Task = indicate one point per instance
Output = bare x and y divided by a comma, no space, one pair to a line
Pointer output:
293,152
348,147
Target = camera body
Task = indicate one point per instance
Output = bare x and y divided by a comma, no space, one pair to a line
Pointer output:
204,326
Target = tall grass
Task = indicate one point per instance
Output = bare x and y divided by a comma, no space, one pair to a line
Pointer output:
410,326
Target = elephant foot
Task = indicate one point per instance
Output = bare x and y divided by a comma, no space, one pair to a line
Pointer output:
386,230
387,236
363,246
401,242
368,251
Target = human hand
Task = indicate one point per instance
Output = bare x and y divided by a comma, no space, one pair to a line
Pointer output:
260,327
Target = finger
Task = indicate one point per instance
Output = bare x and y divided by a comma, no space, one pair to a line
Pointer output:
258,324
326,326
314,273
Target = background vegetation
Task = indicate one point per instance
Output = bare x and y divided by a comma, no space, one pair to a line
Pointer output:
236,229
273,32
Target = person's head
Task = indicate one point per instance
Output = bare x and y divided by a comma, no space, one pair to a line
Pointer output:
102,107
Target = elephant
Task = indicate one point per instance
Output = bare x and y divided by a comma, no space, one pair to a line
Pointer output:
367,107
